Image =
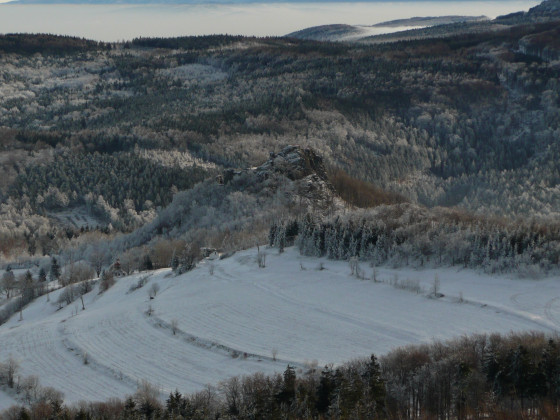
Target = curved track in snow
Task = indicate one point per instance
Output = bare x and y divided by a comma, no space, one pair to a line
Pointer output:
242,319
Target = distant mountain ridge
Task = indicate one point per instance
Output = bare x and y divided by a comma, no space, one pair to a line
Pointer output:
338,32
548,9
430,26
468,121
341,32
429,21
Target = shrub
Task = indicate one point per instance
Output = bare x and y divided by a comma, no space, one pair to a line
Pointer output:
360,193
107,281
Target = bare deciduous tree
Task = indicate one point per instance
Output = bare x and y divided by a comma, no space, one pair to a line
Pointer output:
436,286
9,370
97,259
29,386
153,290
353,262
174,326
8,283
261,259
147,395
107,280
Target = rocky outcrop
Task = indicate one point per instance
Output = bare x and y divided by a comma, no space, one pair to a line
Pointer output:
301,167
548,9
294,162
545,45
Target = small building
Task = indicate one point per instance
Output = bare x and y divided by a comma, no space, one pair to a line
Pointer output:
116,269
209,253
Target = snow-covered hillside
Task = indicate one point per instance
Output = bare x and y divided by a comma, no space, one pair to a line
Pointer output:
235,320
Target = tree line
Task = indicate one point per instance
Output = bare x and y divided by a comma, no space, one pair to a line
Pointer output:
406,234
515,376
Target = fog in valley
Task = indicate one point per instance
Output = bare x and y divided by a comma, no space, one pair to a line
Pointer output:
125,21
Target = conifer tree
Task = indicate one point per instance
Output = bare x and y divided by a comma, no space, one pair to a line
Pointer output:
325,390
147,264
375,384
42,275
54,273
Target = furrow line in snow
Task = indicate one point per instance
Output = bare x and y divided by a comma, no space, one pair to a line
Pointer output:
367,325
98,367
515,300
112,335
548,310
216,347
550,324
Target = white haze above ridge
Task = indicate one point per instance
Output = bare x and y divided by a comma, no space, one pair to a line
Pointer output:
126,21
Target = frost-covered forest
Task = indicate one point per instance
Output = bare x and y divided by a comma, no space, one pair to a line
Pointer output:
429,150
409,235
114,130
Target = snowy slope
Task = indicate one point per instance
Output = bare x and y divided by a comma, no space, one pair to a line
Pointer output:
230,322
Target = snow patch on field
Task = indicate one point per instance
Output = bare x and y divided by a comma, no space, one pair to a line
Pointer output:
243,319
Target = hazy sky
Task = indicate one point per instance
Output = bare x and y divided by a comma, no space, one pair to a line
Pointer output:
121,22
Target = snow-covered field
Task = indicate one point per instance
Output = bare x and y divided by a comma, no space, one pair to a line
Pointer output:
231,322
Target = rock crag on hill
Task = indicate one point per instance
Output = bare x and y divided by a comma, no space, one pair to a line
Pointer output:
547,9
302,167
295,163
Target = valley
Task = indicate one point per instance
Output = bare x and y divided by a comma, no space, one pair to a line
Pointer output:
337,223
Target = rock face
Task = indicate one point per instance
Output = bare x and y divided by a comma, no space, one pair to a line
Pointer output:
547,9
299,171
294,162
306,171
545,45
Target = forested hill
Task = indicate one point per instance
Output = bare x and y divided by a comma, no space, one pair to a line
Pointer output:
469,121
429,27
548,9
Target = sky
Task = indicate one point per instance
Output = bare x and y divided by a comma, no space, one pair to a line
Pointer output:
124,22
